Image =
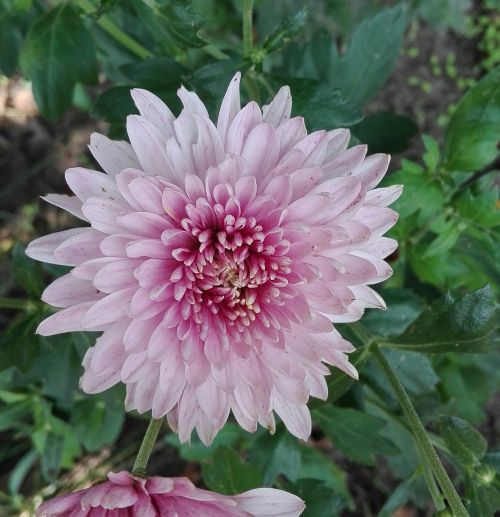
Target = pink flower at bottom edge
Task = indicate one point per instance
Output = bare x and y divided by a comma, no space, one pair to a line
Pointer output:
125,495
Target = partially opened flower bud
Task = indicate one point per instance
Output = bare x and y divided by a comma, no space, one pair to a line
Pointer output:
217,258
125,495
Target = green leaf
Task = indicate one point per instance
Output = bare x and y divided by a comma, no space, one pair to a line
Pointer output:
20,471
160,75
211,81
115,104
481,208
97,421
10,42
58,53
322,106
27,272
197,451
446,239
317,465
446,13
473,133
422,193
403,308
226,473
385,132
431,155
321,500
370,56
18,344
155,73
52,456
465,444
413,369
177,23
485,502
355,433
288,29
465,325
13,414
57,365
467,383
401,495
276,454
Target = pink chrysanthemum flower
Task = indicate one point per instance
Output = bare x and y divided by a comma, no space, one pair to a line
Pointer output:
218,258
125,495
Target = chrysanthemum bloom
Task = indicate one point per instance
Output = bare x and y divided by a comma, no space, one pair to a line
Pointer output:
125,495
217,259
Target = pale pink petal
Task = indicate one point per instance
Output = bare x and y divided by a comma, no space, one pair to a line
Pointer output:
267,502
69,290
86,183
278,111
154,110
113,156
149,145
229,107
261,150
71,204
109,309
67,320
249,117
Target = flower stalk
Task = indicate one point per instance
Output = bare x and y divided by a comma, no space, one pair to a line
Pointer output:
115,32
14,303
420,435
141,462
247,27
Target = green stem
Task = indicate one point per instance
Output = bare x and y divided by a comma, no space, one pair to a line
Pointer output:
14,303
430,481
421,437
215,52
115,32
247,27
147,445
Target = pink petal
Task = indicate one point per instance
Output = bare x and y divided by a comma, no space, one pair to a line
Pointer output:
109,309
154,110
67,320
229,107
296,417
111,155
241,126
43,248
68,290
86,183
261,150
71,204
149,144
267,502
278,111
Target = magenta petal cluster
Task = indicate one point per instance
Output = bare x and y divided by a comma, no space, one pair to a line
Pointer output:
125,495
217,258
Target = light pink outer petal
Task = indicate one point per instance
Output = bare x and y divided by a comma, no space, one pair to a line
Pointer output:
43,248
112,156
154,110
269,502
71,204
229,107
278,111
59,505
67,320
